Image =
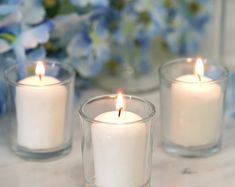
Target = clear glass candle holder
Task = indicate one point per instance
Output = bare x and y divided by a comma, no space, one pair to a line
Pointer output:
117,150
192,94
40,109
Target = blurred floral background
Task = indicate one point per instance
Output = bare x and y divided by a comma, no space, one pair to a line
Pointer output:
97,35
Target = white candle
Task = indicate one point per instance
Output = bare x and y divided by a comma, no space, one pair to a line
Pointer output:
40,108
196,110
119,149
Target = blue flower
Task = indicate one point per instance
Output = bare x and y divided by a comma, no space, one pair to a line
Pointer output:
35,35
9,25
3,95
95,26
184,25
11,22
89,50
147,23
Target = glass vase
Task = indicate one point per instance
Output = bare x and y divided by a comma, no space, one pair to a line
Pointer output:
129,69
178,29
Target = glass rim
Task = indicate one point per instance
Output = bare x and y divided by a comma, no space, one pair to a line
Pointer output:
113,96
50,62
222,68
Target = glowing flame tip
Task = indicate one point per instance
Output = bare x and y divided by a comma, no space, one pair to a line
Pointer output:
199,68
40,69
120,101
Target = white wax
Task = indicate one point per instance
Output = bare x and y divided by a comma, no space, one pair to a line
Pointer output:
119,150
40,109
196,111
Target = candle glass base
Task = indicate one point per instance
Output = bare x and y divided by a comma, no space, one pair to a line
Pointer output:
199,151
40,109
117,146
192,107
49,154
147,184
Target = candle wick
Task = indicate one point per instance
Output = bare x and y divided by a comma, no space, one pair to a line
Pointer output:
199,77
119,112
40,76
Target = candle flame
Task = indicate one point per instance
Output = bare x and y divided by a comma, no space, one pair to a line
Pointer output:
199,68
40,69
189,59
120,105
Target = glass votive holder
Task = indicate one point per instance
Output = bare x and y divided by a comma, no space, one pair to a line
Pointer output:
117,145
192,98
40,108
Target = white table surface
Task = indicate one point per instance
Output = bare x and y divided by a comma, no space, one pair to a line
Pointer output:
167,170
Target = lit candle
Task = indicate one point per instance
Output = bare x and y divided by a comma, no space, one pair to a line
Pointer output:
119,148
40,108
196,110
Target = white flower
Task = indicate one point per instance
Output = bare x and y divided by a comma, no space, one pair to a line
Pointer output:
84,3
32,11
